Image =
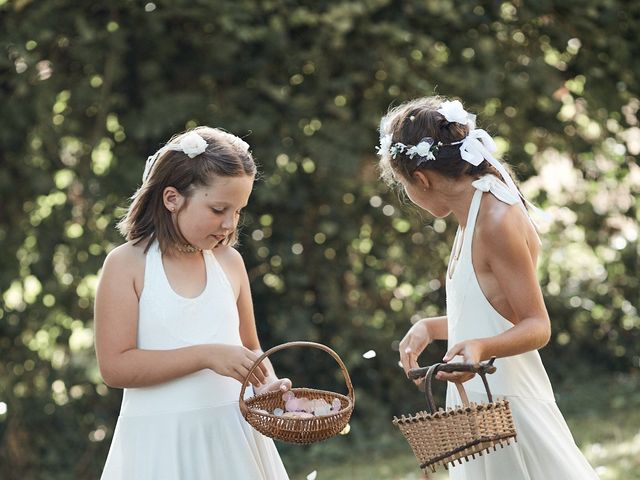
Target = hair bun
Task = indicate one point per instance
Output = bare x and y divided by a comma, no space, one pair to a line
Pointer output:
443,122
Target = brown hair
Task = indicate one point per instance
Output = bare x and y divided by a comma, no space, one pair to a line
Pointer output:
147,218
411,122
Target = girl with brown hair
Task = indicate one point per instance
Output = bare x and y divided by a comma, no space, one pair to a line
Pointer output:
174,320
431,147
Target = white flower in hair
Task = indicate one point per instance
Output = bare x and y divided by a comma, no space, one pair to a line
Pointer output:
192,144
385,144
423,149
455,112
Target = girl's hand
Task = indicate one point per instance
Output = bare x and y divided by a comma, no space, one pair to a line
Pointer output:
412,345
471,351
278,384
235,361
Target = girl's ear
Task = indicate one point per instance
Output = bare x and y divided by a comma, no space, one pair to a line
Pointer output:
422,179
172,199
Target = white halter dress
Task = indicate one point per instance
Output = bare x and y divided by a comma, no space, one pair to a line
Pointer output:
545,449
190,428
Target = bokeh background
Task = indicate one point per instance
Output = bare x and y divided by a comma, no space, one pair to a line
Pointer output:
89,89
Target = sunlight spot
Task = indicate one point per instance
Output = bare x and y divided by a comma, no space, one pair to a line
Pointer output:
98,434
439,225
375,201
388,210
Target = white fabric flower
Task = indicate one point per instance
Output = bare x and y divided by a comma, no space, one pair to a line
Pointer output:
454,112
192,144
385,144
422,149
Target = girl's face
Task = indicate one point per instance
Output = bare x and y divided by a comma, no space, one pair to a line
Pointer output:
212,212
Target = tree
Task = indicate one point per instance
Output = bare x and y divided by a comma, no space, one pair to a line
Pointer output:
89,90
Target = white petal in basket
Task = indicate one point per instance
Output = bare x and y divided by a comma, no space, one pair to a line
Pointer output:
369,354
312,475
298,430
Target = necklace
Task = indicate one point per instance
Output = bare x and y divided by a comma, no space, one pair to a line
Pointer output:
186,248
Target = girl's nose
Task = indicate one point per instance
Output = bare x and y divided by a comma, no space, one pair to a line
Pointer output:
228,222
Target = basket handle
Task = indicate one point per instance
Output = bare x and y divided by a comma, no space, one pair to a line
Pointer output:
336,357
481,369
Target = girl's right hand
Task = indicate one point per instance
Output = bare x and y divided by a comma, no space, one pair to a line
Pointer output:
235,361
412,345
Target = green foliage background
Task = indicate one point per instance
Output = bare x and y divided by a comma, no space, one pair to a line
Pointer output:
89,89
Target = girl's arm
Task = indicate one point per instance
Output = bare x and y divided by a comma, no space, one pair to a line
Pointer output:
437,327
418,337
234,265
510,261
121,363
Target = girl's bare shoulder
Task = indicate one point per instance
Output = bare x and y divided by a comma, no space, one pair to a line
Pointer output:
127,258
501,224
233,265
229,257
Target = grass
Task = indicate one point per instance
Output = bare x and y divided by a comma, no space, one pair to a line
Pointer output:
604,417
603,414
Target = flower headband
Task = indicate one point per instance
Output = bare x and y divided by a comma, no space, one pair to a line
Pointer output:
427,149
476,147
191,144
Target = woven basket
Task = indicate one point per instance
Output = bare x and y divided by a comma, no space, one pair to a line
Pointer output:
297,430
442,437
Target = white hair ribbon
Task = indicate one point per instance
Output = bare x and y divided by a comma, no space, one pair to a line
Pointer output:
478,146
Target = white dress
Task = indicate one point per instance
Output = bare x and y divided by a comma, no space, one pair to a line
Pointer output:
545,449
190,428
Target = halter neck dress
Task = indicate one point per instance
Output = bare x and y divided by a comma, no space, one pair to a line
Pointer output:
545,449
189,428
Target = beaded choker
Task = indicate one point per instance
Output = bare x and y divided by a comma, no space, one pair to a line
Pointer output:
186,248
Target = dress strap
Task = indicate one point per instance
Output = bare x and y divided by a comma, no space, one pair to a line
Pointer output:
490,183
151,272
151,262
472,216
462,242
213,266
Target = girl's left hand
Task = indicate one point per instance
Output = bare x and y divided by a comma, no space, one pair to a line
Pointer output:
471,351
279,384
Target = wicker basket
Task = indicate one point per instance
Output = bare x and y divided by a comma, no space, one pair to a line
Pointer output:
297,430
443,437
